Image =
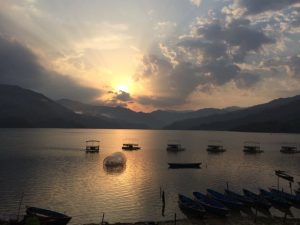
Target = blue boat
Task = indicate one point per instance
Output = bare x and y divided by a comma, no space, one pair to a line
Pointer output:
244,199
225,199
211,205
190,205
259,201
275,199
287,196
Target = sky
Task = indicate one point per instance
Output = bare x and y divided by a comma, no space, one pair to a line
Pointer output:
153,54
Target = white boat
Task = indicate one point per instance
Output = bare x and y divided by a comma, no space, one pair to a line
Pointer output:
92,146
175,147
289,148
252,147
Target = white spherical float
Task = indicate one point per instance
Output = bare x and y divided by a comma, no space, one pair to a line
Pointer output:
115,163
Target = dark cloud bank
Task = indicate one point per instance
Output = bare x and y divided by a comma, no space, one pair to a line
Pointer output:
19,66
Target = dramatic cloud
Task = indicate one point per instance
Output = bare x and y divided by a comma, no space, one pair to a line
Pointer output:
259,6
19,66
119,98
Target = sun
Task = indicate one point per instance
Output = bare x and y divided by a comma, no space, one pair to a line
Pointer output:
123,87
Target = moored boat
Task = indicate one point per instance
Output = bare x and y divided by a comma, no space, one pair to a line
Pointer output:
184,165
48,217
225,199
175,148
92,146
289,148
211,205
190,205
215,148
259,201
275,199
131,146
289,197
244,199
252,147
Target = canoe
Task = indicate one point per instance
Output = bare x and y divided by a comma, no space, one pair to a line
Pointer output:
225,199
259,201
48,217
184,165
287,196
275,199
190,205
211,205
282,174
244,199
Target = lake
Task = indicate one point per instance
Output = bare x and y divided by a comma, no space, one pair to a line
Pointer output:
50,168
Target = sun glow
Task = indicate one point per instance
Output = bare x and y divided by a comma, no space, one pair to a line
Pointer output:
123,87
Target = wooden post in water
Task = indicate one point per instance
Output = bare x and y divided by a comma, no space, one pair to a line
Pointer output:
291,187
160,192
102,221
227,185
284,218
19,208
175,219
255,215
278,183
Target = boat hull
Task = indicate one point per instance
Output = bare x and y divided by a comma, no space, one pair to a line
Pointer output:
191,206
258,200
184,165
226,200
48,217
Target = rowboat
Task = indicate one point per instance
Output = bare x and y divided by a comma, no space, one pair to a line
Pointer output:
225,199
244,199
175,148
252,147
211,205
184,165
289,148
48,217
185,203
275,199
92,146
130,147
282,174
287,196
259,201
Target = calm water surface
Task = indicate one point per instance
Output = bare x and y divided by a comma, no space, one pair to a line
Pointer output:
50,168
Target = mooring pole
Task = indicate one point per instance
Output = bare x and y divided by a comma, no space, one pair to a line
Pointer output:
227,185
19,208
102,221
175,219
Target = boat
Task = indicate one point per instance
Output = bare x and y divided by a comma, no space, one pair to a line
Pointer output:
211,205
252,147
175,148
190,205
225,199
131,147
259,201
289,197
92,146
275,199
283,174
289,149
244,199
184,165
215,148
48,217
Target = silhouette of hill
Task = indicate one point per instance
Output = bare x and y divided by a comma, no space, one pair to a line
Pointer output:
155,120
280,115
21,107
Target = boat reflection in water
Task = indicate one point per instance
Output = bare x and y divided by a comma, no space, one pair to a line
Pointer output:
115,163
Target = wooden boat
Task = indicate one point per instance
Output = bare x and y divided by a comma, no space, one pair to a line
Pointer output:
190,205
259,201
275,199
225,199
48,217
289,149
282,174
92,146
175,148
184,165
211,205
252,147
215,148
244,199
287,196
131,147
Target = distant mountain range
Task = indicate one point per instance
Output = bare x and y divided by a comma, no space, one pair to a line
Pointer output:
21,107
280,115
154,120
